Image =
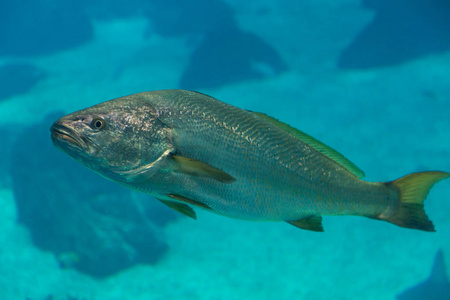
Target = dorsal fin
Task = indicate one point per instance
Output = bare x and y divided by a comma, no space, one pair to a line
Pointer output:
314,143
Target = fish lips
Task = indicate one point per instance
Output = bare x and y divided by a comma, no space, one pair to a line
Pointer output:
68,140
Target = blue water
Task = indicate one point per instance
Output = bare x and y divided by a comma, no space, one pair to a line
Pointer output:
369,78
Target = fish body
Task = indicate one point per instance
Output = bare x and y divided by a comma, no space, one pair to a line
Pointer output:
189,149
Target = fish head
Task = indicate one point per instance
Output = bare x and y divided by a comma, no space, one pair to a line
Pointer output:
120,139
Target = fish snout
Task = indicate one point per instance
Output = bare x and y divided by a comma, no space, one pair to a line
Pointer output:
66,138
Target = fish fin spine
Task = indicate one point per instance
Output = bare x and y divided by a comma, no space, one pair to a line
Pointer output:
413,190
320,147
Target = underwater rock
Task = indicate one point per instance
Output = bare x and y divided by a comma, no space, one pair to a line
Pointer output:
42,27
108,10
229,56
398,33
178,17
8,135
435,287
18,78
225,54
91,224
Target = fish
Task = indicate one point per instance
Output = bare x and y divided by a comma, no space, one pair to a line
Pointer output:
435,287
190,150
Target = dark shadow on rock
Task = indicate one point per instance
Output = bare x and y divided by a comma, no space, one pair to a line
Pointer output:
42,27
91,224
179,17
18,78
8,136
435,287
226,54
117,9
400,31
229,56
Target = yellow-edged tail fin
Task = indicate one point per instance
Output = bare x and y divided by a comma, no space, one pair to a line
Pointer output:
413,189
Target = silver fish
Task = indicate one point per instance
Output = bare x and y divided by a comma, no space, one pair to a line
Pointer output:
189,150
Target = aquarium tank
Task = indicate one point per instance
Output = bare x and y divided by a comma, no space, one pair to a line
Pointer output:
368,78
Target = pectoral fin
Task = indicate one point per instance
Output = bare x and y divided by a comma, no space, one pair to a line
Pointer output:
313,223
180,207
195,167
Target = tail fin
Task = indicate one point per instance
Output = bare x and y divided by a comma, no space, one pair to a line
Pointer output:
413,190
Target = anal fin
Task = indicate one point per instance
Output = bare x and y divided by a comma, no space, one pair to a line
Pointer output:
312,223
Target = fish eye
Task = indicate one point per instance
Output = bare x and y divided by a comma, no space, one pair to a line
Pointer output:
98,123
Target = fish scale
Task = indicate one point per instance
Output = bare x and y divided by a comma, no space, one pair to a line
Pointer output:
290,200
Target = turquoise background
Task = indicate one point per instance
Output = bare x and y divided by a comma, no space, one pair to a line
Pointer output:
390,121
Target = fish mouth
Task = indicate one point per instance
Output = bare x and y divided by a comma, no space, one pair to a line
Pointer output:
67,139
